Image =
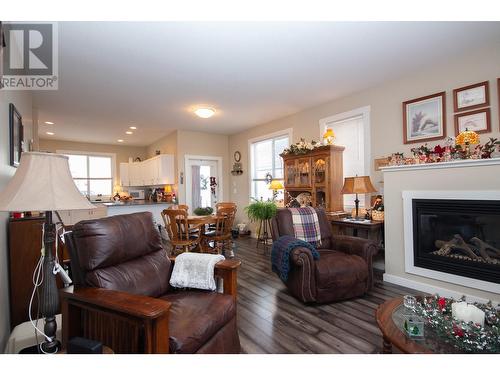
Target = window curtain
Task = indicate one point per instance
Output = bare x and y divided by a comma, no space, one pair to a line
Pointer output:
196,188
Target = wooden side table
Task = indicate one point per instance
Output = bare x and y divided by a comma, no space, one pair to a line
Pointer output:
372,230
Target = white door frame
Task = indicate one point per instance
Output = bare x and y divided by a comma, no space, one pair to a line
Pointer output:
220,182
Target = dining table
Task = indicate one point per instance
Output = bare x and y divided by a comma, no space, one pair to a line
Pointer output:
203,220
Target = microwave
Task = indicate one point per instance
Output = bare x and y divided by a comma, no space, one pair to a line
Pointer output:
137,194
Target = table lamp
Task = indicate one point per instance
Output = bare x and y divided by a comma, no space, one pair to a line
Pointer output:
276,185
43,182
357,185
168,193
329,136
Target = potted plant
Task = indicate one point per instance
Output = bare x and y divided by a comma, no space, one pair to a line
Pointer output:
203,211
261,212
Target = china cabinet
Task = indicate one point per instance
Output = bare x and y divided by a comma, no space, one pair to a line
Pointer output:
315,178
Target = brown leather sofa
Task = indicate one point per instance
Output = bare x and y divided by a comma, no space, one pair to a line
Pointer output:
343,270
122,295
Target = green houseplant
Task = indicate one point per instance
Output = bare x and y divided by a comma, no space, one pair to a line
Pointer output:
261,210
203,211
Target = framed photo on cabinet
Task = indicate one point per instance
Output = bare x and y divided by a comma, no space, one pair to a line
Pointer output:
478,121
16,132
471,97
424,119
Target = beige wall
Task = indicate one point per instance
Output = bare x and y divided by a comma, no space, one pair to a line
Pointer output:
478,178
386,110
23,102
122,152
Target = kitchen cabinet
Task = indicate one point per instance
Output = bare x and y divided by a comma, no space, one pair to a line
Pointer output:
158,170
71,217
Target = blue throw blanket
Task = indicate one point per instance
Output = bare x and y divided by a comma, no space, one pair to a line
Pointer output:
280,254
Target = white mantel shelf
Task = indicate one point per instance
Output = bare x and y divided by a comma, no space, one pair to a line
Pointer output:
449,164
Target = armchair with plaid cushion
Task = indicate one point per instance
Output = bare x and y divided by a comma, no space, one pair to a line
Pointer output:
343,270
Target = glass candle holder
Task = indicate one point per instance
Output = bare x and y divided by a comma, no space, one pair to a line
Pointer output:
409,302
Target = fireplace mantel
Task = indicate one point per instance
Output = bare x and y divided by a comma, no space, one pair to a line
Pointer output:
449,164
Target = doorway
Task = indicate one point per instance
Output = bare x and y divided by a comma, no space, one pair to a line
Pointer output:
203,181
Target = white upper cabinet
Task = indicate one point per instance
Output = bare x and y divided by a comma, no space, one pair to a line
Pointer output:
124,174
158,170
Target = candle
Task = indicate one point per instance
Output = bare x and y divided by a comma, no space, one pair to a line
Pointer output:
467,313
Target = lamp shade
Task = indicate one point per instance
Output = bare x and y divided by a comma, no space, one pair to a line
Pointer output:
276,185
42,182
168,189
358,185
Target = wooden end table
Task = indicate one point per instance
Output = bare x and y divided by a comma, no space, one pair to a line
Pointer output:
372,230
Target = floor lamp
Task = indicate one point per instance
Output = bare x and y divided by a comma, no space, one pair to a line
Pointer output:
43,182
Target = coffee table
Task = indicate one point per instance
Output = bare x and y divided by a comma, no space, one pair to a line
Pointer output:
390,320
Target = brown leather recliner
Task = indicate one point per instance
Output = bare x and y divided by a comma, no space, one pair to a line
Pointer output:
343,270
122,295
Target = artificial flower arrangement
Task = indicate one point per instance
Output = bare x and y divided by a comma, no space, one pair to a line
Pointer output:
302,147
452,149
465,336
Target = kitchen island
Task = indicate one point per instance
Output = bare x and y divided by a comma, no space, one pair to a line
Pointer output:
137,205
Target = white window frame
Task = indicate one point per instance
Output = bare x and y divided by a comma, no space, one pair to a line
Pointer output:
285,132
363,112
103,154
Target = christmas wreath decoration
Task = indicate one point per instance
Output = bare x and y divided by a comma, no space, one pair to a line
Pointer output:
465,336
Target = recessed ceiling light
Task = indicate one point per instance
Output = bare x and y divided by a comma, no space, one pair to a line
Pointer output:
49,122
49,133
120,140
205,112
132,127
129,132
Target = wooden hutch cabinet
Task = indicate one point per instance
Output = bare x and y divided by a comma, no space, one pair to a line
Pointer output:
318,174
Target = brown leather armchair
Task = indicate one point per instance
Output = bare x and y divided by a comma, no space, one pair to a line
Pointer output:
343,270
122,295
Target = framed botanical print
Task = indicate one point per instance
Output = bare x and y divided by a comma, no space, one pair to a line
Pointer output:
424,119
471,97
478,121
16,133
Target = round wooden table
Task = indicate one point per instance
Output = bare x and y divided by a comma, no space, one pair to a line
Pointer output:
202,220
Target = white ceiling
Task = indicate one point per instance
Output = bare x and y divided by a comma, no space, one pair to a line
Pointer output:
117,74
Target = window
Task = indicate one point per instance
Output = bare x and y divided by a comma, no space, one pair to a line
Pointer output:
93,173
352,131
265,159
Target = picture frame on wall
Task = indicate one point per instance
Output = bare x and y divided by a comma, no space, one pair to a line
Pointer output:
471,97
478,121
16,134
424,119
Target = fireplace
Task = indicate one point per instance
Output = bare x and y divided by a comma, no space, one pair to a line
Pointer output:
457,236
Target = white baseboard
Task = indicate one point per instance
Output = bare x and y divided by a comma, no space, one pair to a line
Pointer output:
431,289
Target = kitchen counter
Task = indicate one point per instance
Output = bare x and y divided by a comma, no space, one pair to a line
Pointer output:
135,202
122,208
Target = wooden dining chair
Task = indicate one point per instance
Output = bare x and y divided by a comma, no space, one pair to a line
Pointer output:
184,207
219,238
181,234
224,205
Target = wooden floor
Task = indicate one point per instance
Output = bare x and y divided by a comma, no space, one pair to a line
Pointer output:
272,321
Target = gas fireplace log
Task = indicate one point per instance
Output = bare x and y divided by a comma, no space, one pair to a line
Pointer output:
484,248
457,243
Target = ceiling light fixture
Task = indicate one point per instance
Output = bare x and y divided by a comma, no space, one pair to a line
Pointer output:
129,132
49,122
132,127
49,133
120,140
205,112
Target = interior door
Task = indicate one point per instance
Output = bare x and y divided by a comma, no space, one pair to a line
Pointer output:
201,174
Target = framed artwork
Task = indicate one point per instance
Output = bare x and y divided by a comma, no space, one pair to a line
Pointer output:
472,96
498,89
380,163
16,133
424,119
478,121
